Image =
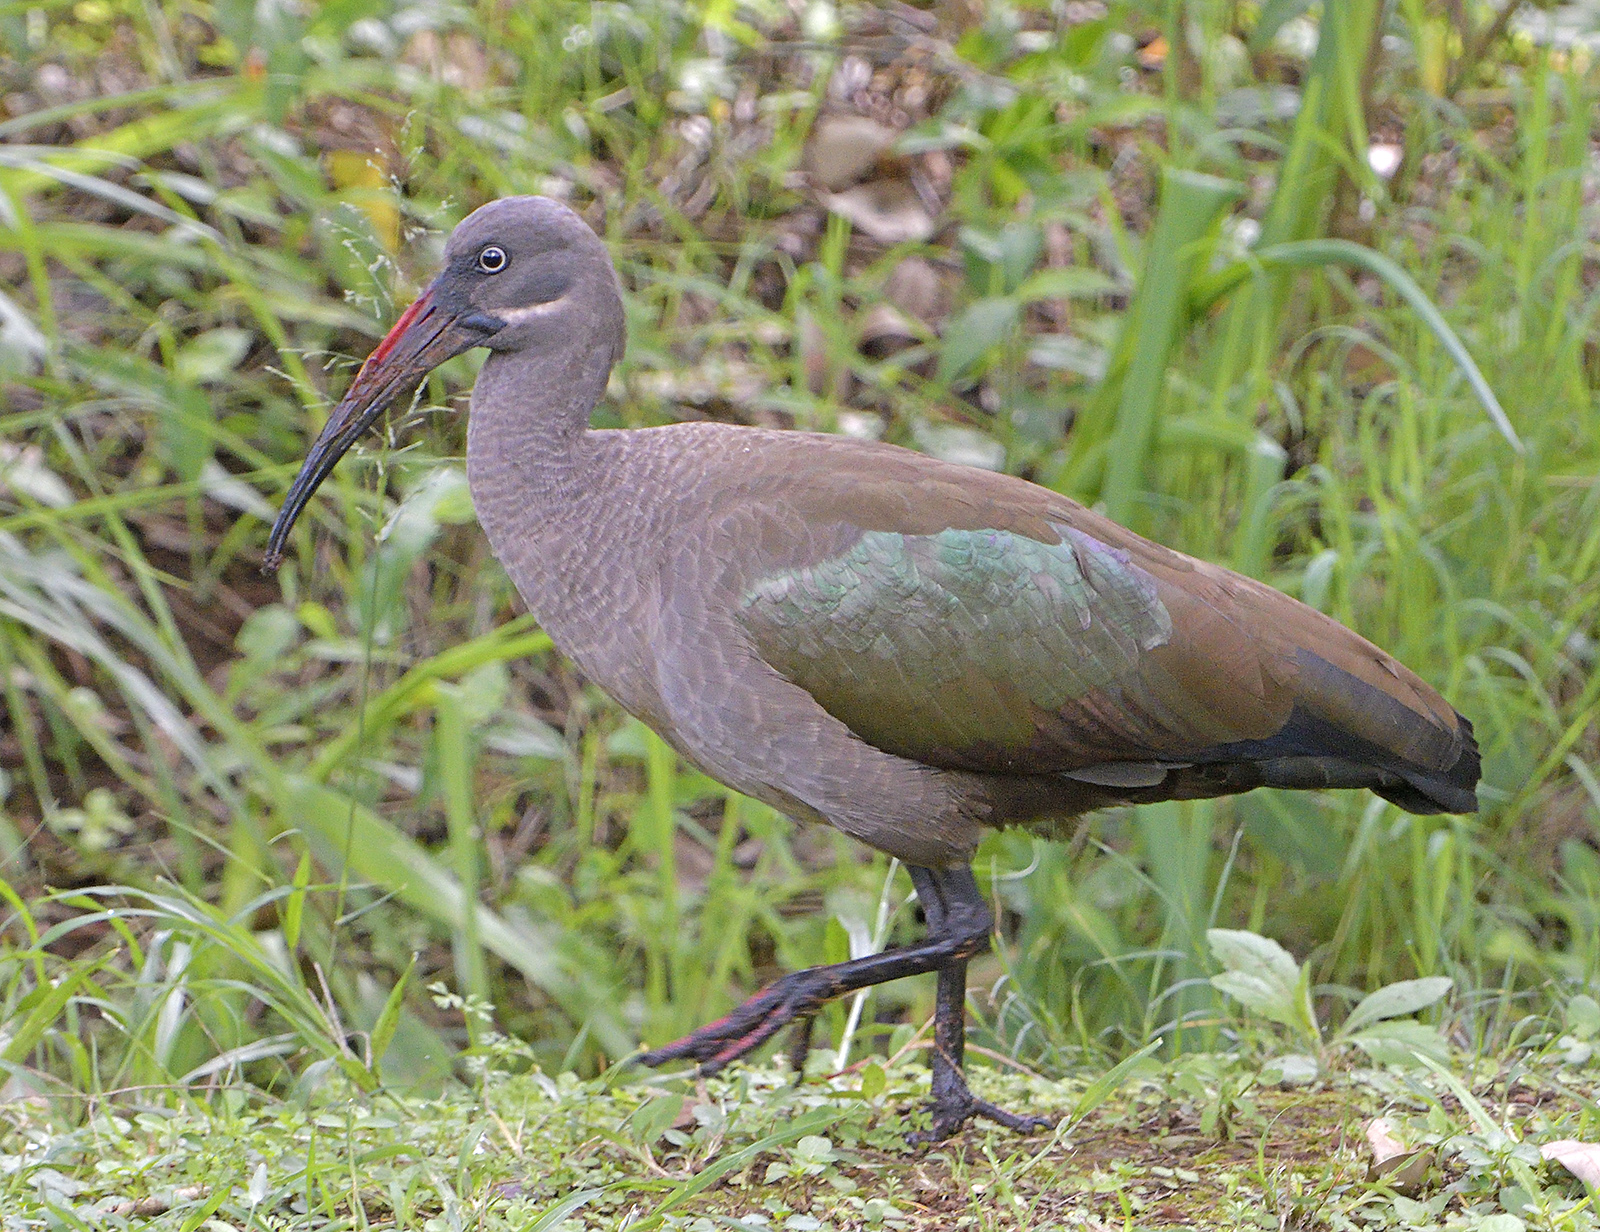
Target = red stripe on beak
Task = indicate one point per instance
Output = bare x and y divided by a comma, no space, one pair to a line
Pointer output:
418,306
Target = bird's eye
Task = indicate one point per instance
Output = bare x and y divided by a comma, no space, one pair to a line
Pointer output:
493,259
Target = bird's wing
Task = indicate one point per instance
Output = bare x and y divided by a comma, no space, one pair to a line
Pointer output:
974,621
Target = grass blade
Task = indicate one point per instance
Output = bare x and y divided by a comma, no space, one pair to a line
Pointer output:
1303,254
1106,1085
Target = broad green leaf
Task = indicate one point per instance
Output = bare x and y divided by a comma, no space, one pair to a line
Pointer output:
999,261
211,356
1066,353
1398,1042
654,1117
1260,958
814,1149
1294,1069
357,1072
1265,997
969,337
441,498
1263,976
483,691
184,429
1273,16
267,633
1070,282
963,446
523,735
1583,1016
1396,1001
259,1187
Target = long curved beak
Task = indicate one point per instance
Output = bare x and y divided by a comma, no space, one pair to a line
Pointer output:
424,337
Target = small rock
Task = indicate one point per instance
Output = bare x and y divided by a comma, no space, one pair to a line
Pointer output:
52,81
885,330
915,288
842,149
889,211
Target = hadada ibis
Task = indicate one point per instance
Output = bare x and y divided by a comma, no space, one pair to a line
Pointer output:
857,634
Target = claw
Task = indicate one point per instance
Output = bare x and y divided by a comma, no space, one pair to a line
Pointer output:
950,1116
794,997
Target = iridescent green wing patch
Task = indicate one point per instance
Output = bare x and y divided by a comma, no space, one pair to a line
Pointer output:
961,647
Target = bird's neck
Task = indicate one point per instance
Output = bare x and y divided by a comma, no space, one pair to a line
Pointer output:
530,415
538,474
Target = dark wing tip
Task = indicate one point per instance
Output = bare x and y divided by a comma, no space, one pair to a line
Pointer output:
1453,790
1469,766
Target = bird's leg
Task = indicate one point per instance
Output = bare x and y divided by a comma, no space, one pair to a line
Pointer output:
952,1103
801,994
959,924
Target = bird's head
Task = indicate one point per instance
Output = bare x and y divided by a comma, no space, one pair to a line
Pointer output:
521,274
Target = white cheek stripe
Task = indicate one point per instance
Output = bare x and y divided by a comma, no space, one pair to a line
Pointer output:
520,316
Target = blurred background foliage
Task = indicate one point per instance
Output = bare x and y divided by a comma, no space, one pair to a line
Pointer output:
1176,258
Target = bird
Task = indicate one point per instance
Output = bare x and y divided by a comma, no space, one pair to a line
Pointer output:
912,651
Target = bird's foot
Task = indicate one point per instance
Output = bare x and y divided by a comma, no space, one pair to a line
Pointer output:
954,1109
795,997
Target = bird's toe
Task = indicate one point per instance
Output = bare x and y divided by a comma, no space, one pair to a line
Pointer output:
951,1114
717,1044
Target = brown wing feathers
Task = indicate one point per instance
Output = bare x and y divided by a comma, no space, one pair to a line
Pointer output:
1256,678
1342,711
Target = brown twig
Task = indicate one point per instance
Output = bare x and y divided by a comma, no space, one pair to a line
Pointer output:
156,1204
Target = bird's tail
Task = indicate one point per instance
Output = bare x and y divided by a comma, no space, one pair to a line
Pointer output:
1449,791
1403,742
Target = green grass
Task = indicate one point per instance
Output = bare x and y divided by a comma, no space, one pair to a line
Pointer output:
245,824
1204,1141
